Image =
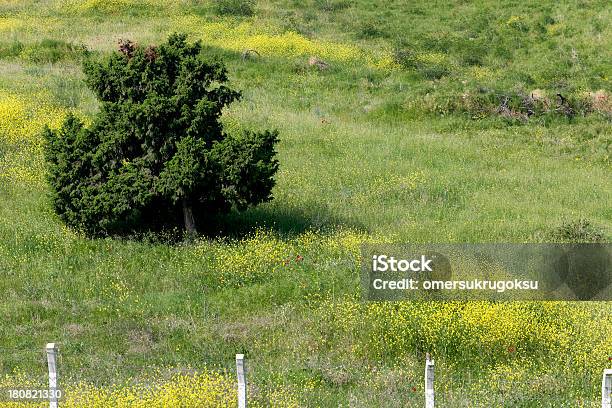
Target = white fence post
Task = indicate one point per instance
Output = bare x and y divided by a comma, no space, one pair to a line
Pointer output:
52,363
429,382
242,388
606,389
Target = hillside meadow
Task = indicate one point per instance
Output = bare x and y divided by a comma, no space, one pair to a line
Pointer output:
443,122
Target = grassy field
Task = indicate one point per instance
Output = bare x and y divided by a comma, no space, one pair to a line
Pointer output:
434,122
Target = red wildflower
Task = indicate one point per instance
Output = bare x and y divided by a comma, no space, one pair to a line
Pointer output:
299,258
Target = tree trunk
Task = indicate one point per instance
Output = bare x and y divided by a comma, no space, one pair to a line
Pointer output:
188,218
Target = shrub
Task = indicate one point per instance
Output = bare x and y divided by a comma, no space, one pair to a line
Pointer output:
579,231
243,8
156,153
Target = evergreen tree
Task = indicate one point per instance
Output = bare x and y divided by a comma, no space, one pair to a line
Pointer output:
156,153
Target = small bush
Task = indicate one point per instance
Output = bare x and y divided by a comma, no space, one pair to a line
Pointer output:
578,231
244,8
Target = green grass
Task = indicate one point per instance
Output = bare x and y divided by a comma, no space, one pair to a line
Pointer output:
391,153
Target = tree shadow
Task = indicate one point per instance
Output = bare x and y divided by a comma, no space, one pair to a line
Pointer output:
285,221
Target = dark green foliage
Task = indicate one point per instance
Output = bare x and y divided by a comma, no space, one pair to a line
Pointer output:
580,231
243,8
156,151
